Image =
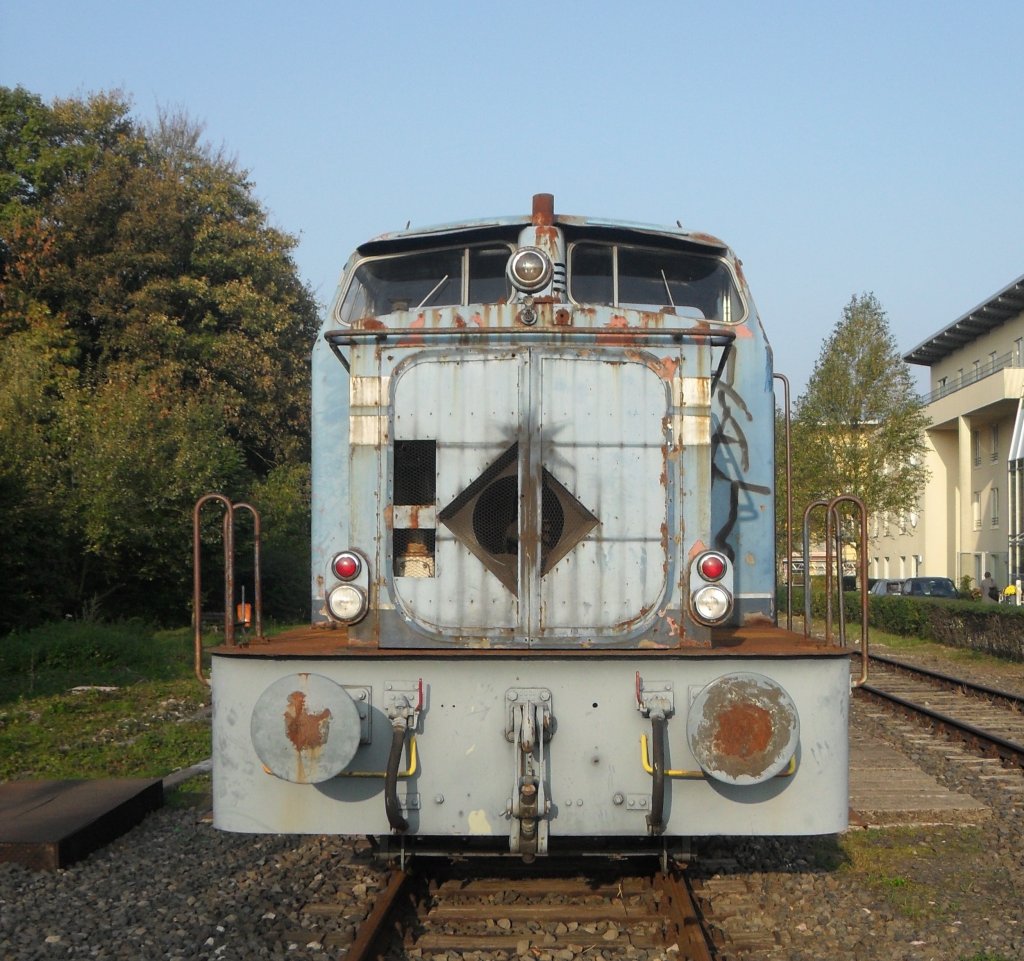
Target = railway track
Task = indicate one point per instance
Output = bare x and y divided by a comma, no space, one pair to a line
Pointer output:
989,719
458,907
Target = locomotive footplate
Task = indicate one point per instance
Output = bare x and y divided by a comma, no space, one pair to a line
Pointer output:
529,726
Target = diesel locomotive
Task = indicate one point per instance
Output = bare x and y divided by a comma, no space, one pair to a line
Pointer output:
543,562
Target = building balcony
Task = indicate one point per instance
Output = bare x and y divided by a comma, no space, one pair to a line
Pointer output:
992,391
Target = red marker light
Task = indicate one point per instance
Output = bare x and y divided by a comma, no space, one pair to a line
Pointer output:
712,567
346,566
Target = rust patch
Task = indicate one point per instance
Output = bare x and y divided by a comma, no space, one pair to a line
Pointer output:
543,214
617,323
563,318
739,272
743,332
389,517
667,368
698,548
415,340
370,323
742,731
458,322
706,239
307,732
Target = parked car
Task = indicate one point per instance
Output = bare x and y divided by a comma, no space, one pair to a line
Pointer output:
884,586
929,587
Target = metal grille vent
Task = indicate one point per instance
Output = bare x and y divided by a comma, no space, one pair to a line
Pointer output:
485,519
413,497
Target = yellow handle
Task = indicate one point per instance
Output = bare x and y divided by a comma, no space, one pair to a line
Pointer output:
697,775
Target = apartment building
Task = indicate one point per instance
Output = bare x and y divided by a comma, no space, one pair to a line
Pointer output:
969,518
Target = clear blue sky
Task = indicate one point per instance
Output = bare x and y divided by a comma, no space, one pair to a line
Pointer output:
837,147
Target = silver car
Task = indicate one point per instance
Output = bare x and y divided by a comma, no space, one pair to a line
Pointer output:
884,586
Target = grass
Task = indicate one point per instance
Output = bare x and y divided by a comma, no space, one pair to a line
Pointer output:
958,655
890,863
142,713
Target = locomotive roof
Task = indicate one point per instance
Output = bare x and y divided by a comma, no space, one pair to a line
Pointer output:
503,228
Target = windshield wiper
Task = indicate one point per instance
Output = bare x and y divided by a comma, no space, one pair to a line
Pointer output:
664,279
436,288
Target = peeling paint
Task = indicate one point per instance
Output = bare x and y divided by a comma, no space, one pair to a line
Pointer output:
478,823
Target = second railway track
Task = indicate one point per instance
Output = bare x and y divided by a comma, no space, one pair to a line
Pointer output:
989,718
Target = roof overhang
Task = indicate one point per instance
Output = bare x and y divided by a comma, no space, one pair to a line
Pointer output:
998,309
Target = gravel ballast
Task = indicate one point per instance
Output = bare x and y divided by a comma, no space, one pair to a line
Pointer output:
174,888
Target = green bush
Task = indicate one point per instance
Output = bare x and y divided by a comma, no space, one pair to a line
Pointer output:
976,625
63,654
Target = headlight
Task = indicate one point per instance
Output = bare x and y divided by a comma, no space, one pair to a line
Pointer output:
347,603
712,604
529,269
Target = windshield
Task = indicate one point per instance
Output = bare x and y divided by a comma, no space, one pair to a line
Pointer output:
432,278
694,284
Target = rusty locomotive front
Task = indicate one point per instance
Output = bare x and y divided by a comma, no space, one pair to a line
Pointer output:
543,562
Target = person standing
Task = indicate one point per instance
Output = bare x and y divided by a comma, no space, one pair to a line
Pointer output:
989,590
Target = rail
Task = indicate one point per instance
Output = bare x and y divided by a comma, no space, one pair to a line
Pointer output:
960,723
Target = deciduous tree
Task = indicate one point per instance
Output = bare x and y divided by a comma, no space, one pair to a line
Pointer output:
154,338
859,427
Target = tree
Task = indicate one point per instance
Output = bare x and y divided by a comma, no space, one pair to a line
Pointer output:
859,427
154,338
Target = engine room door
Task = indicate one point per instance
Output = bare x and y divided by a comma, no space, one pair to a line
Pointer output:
549,504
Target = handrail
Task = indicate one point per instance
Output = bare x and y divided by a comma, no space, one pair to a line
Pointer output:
806,545
257,600
228,529
832,528
353,336
789,504
197,581
862,510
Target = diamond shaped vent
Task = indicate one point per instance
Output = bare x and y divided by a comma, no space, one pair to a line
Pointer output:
485,519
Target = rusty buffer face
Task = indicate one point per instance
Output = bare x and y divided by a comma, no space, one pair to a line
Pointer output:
305,728
743,728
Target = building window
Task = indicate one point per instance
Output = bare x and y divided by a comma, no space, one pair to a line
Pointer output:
976,506
976,446
995,442
994,504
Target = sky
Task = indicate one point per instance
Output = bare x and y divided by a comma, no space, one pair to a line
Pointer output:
838,148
